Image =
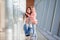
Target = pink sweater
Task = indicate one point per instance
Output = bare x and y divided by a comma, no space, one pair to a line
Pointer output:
32,17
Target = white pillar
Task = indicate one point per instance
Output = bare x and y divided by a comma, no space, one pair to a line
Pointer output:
19,7
9,18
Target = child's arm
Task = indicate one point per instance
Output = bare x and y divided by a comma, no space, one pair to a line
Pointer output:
28,15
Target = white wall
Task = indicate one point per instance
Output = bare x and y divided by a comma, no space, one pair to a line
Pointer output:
48,15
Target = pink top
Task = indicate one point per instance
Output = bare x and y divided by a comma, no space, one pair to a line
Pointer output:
32,17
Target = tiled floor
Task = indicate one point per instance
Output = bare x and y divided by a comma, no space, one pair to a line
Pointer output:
40,36
19,33
22,37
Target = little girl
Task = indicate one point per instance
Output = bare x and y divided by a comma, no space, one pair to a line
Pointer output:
30,23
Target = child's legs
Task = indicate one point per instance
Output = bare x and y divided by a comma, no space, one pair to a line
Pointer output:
34,32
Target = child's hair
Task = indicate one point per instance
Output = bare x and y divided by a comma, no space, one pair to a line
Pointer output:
24,17
30,10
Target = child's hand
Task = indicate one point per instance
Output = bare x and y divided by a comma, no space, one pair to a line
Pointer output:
28,15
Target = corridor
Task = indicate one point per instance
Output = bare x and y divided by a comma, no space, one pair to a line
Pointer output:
47,15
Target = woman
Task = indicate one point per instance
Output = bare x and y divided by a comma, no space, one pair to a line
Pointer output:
31,21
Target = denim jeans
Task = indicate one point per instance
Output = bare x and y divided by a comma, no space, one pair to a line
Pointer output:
27,30
33,31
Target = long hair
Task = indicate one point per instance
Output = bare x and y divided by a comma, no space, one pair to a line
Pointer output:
30,10
27,12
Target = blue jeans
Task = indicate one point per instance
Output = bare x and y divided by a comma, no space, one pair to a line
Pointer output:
31,31
27,31
34,36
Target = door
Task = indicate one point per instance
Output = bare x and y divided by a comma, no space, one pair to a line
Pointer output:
29,3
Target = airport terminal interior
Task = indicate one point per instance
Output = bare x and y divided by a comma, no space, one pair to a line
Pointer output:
47,14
